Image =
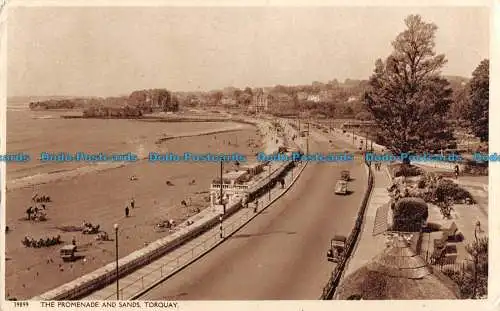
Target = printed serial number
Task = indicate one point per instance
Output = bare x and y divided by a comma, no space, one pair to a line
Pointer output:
21,304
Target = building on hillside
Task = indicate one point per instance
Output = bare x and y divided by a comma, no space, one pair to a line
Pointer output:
397,274
314,98
325,96
352,99
260,102
302,96
228,102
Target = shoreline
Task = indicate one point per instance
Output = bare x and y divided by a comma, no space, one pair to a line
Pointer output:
99,198
61,174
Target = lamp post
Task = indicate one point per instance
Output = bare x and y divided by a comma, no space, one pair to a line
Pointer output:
366,141
220,227
117,271
308,121
269,177
476,255
352,129
221,183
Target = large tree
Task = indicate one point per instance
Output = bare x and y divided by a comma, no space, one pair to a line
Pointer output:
478,109
406,94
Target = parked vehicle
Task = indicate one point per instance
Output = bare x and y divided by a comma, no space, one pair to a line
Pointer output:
341,187
345,175
67,252
337,248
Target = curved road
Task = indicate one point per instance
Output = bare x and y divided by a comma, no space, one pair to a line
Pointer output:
281,254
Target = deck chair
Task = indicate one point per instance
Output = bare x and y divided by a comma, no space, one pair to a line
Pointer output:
438,255
451,232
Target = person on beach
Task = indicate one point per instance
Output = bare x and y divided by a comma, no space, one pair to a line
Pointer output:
29,211
127,211
132,203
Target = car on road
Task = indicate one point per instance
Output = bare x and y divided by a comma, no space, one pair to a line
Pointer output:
345,174
341,187
337,248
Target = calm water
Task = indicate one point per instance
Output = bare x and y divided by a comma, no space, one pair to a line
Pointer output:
34,132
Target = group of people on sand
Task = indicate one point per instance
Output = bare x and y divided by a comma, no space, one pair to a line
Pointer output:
31,242
35,210
41,199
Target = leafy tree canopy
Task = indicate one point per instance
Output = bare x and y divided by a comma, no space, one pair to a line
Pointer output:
478,108
407,96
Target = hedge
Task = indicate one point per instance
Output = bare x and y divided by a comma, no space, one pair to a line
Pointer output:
409,214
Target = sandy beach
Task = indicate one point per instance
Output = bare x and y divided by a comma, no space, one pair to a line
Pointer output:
99,196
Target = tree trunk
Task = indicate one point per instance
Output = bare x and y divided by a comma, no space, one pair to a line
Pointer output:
406,161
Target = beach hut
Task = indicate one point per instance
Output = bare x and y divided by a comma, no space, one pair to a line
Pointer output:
398,273
232,178
253,169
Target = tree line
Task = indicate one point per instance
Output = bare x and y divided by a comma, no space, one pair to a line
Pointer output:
135,105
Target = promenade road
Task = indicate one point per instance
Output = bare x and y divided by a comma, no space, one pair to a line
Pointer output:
281,254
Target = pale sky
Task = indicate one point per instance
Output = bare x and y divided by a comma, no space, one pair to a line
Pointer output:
98,51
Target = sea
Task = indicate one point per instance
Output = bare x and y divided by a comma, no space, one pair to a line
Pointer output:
36,131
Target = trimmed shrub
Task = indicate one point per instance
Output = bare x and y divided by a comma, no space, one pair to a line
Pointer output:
421,183
409,214
448,189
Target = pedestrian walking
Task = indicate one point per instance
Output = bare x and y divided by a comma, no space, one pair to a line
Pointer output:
256,206
132,203
457,171
127,211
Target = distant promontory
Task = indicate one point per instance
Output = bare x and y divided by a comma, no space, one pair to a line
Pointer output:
132,106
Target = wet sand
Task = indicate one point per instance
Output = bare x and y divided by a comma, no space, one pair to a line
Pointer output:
100,198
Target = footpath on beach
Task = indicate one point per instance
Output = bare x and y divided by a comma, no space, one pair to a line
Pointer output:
198,238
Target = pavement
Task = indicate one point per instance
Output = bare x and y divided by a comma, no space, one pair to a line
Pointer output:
371,241
281,254
478,187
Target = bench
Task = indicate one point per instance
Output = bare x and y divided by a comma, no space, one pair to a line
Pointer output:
441,247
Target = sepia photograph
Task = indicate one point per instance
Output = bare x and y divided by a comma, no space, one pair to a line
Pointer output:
188,153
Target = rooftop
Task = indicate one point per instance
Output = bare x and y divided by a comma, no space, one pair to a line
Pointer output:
398,273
